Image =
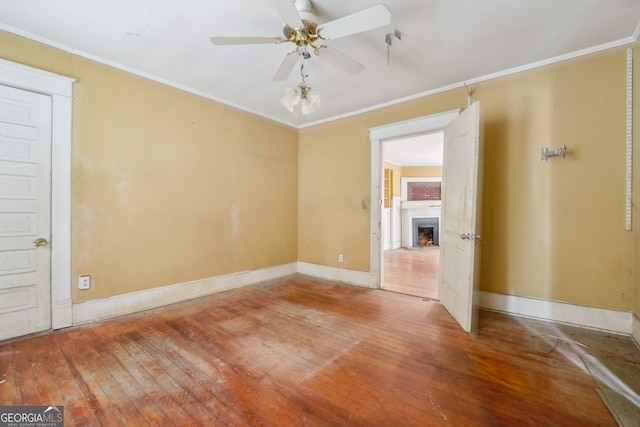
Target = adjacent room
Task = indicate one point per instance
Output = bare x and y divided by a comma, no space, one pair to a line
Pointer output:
412,204
294,212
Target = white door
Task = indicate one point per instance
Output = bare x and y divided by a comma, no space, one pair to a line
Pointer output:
25,210
460,223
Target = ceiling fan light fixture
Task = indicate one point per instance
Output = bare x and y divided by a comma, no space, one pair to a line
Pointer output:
293,96
301,29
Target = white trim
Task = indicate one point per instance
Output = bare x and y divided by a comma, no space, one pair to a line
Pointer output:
419,125
139,73
60,88
35,80
91,311
615,321
629,141
510,71
636,33
377,135
352,277
486,77
376,266
588,317
635,330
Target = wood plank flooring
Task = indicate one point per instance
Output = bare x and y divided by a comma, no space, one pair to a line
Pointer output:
303,351
412,271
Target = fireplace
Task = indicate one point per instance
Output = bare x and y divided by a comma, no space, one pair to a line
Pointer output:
426,232
422,212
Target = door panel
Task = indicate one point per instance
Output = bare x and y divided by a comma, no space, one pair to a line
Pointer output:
460,223
25,212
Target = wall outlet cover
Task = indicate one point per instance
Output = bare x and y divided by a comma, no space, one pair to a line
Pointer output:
84,282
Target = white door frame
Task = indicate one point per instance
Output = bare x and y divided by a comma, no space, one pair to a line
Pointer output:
377,136
60,88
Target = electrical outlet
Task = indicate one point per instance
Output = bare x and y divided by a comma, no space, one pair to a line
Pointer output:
340,258
84,282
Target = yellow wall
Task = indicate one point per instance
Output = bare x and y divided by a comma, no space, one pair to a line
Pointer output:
332,205
553,231
421,171
168,187
541,218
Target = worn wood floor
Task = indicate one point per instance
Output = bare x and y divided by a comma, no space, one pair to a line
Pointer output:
412,271
303,351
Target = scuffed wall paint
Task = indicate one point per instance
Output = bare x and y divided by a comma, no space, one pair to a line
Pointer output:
156,174
551,230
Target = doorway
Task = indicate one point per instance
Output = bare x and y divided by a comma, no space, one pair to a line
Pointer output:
381,138
412,170
60,89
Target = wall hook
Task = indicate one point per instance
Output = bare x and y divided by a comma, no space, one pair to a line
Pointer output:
468,94
546,153
389,40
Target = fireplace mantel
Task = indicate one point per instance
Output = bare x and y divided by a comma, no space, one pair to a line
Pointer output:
423,204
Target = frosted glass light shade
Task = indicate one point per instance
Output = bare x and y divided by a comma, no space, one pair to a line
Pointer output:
293,95
311,102
291,98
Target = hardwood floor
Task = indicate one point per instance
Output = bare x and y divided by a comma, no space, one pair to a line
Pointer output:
412,271
304,351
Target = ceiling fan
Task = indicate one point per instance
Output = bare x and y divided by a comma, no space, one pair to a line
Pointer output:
301,29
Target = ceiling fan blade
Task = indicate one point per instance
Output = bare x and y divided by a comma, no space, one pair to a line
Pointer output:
223,41
359,22
340,60
288,12
286,66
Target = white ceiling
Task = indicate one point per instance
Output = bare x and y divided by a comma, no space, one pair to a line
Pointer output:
417,150
444,43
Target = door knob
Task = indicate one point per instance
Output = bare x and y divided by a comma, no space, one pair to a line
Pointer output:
41,242
469,236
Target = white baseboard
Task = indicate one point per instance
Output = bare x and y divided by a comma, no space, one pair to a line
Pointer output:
635,330
352,277
591,317
619,322
93,310
62,314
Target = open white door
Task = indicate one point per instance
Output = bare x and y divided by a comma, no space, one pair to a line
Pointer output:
460,223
